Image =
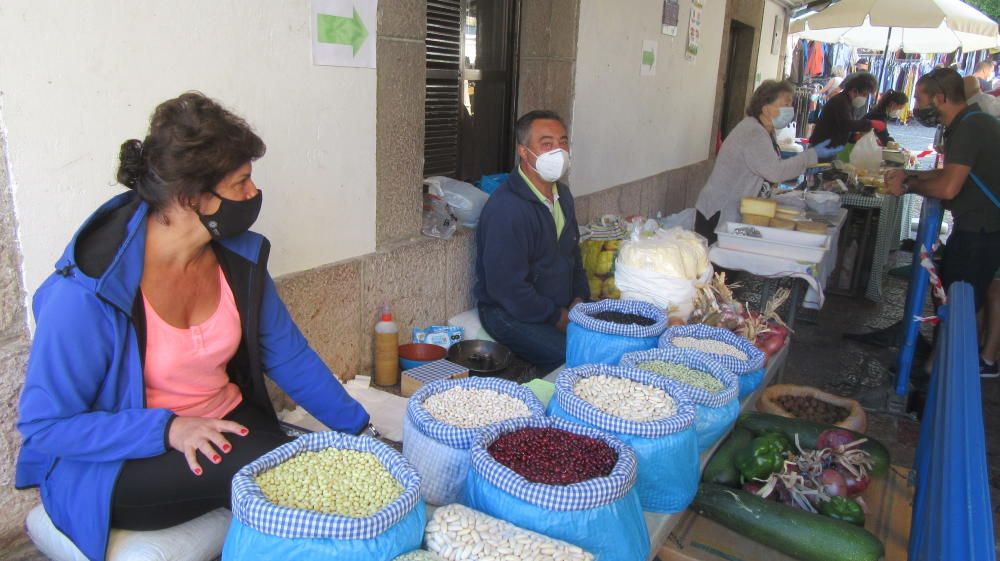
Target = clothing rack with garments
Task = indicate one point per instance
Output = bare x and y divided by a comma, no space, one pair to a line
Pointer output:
801,100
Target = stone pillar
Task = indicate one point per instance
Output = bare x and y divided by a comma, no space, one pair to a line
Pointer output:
548,35
13,359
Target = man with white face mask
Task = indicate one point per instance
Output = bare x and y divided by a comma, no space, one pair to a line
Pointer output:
837,123
528,267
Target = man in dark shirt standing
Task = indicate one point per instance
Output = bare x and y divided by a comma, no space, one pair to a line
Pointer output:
984,72
968,185
837,123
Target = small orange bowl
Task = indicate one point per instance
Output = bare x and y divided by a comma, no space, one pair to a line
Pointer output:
412,355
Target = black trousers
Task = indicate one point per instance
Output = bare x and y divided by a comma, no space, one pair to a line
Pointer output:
972,257
160,492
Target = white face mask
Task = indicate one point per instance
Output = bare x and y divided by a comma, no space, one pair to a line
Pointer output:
895,114
552,165
860,101
784,118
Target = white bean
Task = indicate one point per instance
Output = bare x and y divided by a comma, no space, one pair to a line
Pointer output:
473,407
626,398
499,540
710,346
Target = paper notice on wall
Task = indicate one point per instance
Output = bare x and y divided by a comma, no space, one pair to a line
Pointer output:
343,32
694,30
671,16
648,66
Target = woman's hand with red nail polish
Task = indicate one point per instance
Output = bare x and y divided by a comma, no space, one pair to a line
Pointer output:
190,435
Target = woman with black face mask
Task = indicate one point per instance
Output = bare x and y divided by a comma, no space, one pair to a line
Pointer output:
145,387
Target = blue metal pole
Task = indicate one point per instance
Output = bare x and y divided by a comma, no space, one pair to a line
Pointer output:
952,516
927,234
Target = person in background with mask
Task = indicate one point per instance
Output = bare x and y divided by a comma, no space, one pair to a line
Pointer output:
973,95
528,269
968,185
144,391
889,107
836,123
750,162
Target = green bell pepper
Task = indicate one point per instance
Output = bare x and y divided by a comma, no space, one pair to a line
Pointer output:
842,508
762,457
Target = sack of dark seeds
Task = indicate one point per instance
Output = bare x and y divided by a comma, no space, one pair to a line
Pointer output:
601,332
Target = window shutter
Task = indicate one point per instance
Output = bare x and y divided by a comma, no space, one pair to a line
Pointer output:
441,105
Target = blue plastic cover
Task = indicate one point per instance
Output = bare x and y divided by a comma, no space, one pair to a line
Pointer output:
603,515
715,413
592,341
262,530
439,451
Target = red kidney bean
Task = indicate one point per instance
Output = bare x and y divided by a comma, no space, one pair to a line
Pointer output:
553,456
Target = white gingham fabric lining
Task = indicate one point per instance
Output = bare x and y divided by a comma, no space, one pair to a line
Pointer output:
697,360
755,357
458,437
588,494
586,412
252,508
581,314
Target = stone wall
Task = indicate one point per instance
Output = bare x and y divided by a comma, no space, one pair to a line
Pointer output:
13,359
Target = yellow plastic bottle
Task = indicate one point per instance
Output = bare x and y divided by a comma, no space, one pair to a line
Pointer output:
386,349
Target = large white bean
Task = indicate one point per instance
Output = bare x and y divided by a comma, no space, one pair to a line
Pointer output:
458,533
626,398
710,346
474,407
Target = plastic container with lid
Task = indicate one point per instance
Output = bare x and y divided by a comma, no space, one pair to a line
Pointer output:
386,349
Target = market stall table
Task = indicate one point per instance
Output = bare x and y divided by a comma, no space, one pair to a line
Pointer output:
886,225
815,275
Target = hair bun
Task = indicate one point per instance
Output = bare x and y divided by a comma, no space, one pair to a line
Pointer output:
131,165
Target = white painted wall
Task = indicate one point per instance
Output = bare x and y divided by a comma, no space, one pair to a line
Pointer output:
627,126
769,65
78,78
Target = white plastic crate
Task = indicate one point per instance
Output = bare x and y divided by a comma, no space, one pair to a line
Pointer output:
790,244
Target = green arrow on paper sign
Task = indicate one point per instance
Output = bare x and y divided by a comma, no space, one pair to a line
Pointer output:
341,31
648,58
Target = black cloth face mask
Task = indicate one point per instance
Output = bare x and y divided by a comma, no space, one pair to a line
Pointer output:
927,116
233,217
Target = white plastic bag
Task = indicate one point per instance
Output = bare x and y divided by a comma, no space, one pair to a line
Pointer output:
465,199
867,154
674,295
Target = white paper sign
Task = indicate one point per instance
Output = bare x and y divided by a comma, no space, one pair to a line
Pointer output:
343,32
694,31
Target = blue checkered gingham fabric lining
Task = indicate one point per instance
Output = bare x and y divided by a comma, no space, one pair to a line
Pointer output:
457,437
696,360
755,357
588,494
252,508
585,411
581,315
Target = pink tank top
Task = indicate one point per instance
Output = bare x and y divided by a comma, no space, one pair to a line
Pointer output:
186,368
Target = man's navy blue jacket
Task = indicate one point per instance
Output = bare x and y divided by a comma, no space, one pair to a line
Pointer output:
521,265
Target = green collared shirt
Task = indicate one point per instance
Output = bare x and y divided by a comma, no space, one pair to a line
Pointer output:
554,207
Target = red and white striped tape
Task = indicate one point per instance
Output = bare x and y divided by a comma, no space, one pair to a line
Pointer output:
928,263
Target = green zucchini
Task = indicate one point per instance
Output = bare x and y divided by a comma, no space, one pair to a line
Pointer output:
809,431
720,467
796,533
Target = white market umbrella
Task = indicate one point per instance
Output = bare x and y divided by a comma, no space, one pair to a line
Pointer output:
915,26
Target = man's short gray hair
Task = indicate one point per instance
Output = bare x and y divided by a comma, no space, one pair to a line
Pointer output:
522,130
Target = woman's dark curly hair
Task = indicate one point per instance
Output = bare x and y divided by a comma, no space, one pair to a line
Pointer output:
193,142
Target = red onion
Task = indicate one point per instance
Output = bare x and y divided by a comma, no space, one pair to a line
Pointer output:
855,486
834,438
553,456
833,483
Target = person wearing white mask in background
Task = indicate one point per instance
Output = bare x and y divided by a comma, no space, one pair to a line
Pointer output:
973,95
889,106
837,123
529,272
750,162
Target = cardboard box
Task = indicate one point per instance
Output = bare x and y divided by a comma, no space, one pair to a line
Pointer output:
889,500
412,380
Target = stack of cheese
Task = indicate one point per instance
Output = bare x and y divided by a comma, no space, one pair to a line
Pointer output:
766,212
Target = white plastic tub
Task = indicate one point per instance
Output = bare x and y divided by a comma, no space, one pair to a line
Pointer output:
790,244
